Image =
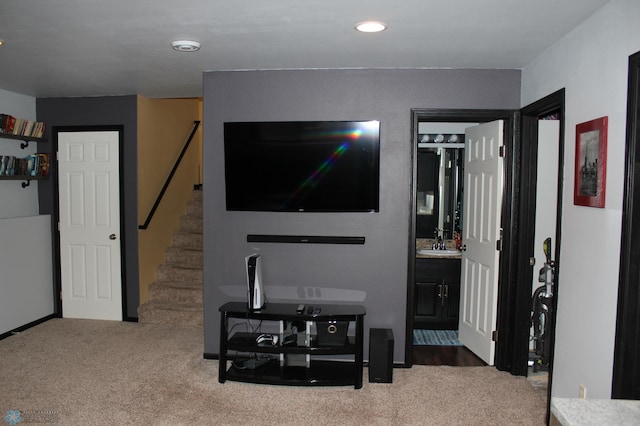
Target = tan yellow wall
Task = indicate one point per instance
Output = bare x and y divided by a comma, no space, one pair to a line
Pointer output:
164,126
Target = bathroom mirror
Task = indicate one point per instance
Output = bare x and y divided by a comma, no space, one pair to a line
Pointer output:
439,191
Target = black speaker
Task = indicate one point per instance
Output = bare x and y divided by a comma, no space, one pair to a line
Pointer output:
332,333
380,355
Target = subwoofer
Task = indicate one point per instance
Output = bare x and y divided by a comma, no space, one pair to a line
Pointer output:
380,355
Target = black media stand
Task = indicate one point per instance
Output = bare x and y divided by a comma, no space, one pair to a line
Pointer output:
306,362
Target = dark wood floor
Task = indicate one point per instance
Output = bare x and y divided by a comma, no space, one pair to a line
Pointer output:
445,355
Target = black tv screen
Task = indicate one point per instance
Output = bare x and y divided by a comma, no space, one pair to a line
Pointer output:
302,166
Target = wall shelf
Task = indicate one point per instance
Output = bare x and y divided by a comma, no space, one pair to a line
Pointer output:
26,179
25,139
25,143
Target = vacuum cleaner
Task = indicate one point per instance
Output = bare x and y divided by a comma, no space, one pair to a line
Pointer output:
541,309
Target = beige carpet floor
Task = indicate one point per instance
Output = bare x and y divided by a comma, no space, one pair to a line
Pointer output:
85,372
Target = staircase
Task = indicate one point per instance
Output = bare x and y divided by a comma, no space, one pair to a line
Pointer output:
176,296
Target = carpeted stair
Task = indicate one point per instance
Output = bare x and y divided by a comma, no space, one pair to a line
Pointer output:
176,296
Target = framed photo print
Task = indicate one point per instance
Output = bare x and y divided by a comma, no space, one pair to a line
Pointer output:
591,163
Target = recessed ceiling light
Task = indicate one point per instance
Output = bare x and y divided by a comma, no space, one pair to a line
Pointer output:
1,42
185,45
371,26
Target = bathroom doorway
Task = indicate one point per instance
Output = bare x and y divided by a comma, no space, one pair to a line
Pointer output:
430,294
439,215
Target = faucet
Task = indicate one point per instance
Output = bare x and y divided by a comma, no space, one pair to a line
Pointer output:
438,243
437,240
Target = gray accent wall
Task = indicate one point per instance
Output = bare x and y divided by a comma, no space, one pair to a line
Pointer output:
101,111
373,274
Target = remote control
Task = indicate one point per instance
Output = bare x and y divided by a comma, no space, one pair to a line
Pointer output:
253,363
300,309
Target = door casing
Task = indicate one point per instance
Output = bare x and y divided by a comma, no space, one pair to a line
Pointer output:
505,292
626,365
553,103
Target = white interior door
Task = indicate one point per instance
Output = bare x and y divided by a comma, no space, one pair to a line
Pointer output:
88,164
480,232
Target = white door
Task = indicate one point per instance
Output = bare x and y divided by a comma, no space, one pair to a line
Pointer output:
480,232
88,164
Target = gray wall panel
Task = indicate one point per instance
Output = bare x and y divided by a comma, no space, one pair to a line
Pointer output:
374,274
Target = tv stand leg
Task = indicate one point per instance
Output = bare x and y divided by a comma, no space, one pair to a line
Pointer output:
359,352
222,366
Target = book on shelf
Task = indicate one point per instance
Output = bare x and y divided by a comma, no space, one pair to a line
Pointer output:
43,164
31,165
10,125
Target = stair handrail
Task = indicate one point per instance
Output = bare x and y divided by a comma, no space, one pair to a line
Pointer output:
146,223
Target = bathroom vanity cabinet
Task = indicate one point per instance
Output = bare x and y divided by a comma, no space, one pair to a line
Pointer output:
437,293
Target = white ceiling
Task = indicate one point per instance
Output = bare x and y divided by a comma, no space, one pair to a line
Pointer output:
112,47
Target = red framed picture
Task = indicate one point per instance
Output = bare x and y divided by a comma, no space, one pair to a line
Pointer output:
591,163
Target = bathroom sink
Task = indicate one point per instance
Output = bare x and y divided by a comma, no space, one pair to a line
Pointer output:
439,253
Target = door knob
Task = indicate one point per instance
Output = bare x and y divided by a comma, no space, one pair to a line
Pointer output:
112,236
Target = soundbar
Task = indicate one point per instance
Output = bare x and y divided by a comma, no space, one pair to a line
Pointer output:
304,239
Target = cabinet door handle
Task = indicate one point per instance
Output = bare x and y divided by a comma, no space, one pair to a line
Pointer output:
446,291
440,292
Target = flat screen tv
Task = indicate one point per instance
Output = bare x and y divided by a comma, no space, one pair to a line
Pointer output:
302,166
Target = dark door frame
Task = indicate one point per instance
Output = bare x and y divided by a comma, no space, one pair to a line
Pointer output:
55,216
509,215
626,361
530,115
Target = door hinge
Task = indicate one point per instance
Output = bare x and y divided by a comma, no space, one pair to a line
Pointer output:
494,335
499,242
502,151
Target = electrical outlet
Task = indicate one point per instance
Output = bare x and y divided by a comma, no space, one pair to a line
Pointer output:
582,393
